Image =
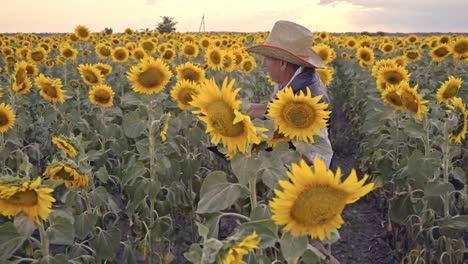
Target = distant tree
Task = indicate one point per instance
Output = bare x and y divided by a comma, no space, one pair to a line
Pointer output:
166,25
108,30
380,33
365,33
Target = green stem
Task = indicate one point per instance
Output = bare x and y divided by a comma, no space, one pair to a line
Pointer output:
427,142
446,162
253,193
44,240
396,142
236,215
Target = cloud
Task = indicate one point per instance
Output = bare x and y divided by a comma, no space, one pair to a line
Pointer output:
150,2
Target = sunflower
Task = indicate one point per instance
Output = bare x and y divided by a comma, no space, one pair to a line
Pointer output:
389,75
219,109
326,75
412,100
248,65
101,95
326,53
90,74
401,61
37,55
387,48
22,88
214,58
138,54
22,52
68,52
62,144
459,48
413,55
168,55
82,32
7,118
380,64
392,97
238,57
458,109
103,50
440,52
189,49
148,46
204,42
183,93
229,62
298,116
235,253
449,89
165,127
50,89
150,76
104,69
312,201
366,56
31,69
120,54
28,198
21,73
351,43
68,174
190,72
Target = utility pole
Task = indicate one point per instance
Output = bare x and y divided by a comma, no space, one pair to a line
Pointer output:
202,23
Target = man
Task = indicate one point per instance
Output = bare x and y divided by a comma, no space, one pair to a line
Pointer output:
290,61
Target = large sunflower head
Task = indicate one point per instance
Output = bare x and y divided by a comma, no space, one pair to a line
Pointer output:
67,173
204,42
248,64
183,93
412,100
64,145
7,118
326,75
389,75
449,89
68,52
103,50
214,58
298,117
190,72
82,32
90,74
312,201
148,46
37,55
189,49
326,53
101,95
392,97
138,54
460,48
120,54
413,54
219,109
50,89
365,55
382,63
29,198
150,76
440,52
387,48
457,109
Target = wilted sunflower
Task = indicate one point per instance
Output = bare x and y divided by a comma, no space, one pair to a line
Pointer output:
120,54
183,93
219,109
82,32
326,75
28,198
37,55
440,52
189,49
449,89
300,116
248,64
150,76
90,74
312,201
412,100
50,89
458,109
62,144
101,95
214,58
326,53
104,69
68,174
165,127
392,97
389,75
138,54
190,72
235,253
366,56
7,118
103,51
68,52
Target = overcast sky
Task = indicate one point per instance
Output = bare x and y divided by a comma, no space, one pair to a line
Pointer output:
239,15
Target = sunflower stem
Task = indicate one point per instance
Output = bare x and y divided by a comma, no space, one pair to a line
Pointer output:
44,240
253,193
397,126
427,144
236,215
446,161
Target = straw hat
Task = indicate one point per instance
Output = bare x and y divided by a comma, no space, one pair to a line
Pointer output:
290,42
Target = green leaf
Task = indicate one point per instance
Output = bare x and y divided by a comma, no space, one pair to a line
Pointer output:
84,224
459,174
219,197
212,179
194,255
458,222
99,196
245,167
24,225
202,230
57,259
135,170
102,174
437,188
402,206
293,247
210,250
268,236
313,256
212,223
106,243
133,124
61,231
10,240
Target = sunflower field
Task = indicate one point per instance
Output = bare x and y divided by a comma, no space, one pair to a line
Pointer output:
138,148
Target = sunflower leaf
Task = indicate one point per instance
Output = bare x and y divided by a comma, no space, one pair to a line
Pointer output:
293,247
106,242
245,168
10,240
220,196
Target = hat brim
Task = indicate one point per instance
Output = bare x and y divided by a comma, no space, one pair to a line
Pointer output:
312,60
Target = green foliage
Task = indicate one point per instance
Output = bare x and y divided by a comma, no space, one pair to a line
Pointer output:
166,25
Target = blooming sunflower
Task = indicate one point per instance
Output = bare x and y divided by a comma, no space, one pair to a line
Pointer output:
459,48
382,63
366,56
183,93
312,201
68,174
168,55
165,127
62,144
90,74
101,95
440,52
82,32
248,64
7,118
412,100
150,76
235,253
120,54
68,52
103,50
37,55
219,109
190,72
458,109
392,97
32,69
326,75
28,198
189,49
229,62
413,54
104,69
204,42
449,89
401,61
138,54
298,116
387,48
214,58
50,89
326,53
389,75
148,46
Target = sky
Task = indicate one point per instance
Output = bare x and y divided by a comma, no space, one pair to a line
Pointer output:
405,16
